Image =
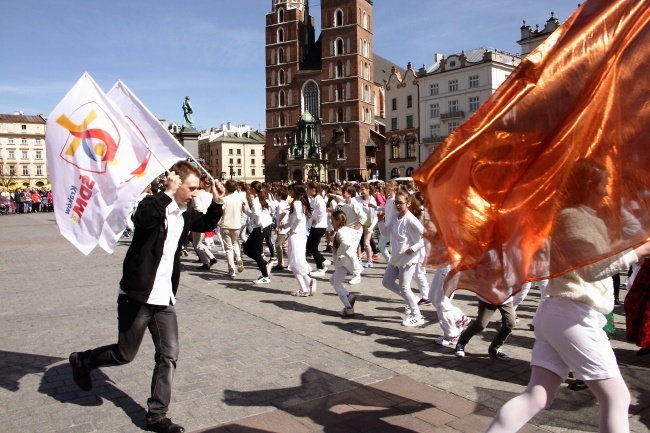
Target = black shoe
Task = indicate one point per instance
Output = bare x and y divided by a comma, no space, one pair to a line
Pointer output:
198,261
80,374
617,302
577,385
204,267
164,425
213,261
278,268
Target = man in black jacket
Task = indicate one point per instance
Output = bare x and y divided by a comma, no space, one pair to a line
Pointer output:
150,277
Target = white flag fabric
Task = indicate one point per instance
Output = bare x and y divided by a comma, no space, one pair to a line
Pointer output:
154,139
98,165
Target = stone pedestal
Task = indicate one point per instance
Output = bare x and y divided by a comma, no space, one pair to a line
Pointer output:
189,139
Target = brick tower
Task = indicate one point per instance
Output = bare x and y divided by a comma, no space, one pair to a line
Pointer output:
331,77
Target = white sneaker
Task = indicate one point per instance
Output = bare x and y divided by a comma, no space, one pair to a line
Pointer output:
274,261
412,320
449,342
326,263
232,274
262,280
318,273
355,280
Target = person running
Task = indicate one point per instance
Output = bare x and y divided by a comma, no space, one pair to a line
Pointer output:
298,215
406,238
230,225
147,293
344,256
356,217
318,227
367,244
201,203
281,223
260,218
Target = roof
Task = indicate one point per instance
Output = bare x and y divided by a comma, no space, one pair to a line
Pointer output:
21,118
254,137
477,56
383,68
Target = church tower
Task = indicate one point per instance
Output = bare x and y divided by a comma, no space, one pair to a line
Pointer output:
330,78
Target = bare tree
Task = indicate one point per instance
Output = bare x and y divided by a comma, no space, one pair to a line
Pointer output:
7,173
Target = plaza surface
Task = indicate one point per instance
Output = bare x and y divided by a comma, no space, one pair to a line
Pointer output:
255,359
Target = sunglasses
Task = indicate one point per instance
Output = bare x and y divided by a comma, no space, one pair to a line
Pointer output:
399,203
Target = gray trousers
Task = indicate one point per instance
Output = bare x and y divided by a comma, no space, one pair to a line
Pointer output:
485,312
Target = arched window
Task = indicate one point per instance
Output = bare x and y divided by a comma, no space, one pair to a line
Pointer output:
340,94
339,69
287,139
281,80
280,35
364,48
280,55
310,99
276,141
282,100
281,15
339,117
409,171
282,120
365,20
339,47
394,173
338,18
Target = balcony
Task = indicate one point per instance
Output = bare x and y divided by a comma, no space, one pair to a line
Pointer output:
452,115
434,139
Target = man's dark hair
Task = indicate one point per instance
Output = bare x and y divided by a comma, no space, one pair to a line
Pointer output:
184,169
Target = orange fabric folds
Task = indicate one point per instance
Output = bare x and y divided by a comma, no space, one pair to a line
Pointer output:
564,137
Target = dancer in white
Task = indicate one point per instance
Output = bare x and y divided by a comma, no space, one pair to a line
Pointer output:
344,253
356,217
406,239
298,214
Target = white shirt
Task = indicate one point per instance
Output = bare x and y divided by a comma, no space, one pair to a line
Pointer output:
162,293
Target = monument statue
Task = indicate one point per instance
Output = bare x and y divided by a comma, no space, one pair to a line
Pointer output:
188,119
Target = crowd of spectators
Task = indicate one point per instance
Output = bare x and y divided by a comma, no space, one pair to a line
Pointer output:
25,200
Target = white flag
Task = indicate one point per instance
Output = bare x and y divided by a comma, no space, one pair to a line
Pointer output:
92,155
156,150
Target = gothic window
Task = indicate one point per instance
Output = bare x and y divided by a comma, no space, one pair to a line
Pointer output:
365,20
339,69
280,55
340,94
282,120
281,15
338,18
280,35
282,101
281,80
310,99
276,141
339,117
339,47
287,139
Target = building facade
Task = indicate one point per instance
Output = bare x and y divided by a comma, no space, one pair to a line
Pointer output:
453,89
22,151
333,79
402,123
531,39
233,152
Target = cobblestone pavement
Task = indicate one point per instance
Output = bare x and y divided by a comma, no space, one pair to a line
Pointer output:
254,358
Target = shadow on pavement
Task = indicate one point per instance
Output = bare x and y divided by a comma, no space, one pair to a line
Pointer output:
15,365
57,382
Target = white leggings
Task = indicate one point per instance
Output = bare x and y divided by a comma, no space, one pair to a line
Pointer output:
448,314
403,288
336,280
612,395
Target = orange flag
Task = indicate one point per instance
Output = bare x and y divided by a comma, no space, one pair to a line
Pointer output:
565,135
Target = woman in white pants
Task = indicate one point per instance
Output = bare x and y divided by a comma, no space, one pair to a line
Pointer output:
344,256
298,215
405,232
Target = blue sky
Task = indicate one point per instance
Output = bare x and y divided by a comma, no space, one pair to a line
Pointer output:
213,50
